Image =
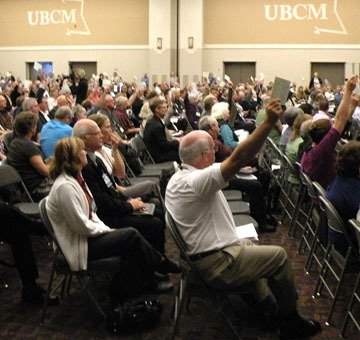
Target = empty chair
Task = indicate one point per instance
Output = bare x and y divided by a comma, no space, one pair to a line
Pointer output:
143,153
15,195
14,191
241,219
232,195
239,207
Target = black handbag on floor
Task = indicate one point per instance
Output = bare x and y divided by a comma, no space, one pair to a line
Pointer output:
131,317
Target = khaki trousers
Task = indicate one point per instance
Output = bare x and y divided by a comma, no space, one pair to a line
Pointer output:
244,263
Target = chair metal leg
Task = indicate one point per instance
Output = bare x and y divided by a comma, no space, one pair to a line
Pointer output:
338,286
91,296
48,290
322,280
307,230
314,247
180,302
229,322
355,298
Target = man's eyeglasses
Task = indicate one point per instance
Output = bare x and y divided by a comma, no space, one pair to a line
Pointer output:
94,133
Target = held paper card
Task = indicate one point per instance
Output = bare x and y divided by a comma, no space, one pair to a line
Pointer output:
281,89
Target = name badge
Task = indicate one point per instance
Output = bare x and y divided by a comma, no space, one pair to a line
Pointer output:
107,180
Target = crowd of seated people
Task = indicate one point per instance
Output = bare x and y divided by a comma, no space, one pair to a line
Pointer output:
105,119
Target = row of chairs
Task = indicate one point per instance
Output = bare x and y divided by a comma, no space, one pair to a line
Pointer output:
311,214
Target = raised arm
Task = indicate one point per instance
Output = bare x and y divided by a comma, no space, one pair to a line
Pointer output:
248,148
119,166
343,112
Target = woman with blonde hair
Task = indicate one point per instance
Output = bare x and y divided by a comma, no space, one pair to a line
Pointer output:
82,236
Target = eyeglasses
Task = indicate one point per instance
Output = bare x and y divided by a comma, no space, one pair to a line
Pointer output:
94,133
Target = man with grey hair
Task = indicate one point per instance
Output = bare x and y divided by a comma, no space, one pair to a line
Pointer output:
113,207
195,201
120,112
55,130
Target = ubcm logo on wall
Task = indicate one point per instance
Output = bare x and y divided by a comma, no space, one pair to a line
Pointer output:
306,11
73,16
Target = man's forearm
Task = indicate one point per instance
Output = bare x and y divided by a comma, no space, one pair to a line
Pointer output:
249,148
246,150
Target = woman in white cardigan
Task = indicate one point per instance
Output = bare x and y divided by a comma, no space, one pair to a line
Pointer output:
82,236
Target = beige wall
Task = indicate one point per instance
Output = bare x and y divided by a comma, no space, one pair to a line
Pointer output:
86,22
283,38
281,22
123,36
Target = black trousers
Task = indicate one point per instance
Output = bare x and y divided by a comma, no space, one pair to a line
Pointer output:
150,227
127,243
13,230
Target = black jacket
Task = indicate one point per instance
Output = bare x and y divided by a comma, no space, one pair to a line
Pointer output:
108,200
155,139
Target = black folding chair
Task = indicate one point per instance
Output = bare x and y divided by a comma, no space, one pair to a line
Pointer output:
60,267
139,146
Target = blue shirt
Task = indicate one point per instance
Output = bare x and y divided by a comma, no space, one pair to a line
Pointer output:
50,134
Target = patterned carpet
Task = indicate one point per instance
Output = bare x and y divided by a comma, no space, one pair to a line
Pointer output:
75,317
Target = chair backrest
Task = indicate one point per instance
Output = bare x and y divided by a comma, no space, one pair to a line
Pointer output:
138,144
181,245
179,241
12,187
319,189
46,221
335,222
291,169
7,138
8,175
355,228
306,180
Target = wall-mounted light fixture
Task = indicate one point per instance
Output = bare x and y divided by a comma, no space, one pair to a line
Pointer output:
191,42
159,43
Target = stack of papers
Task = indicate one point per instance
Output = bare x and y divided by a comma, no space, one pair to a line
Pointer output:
250,177
247,231
241,134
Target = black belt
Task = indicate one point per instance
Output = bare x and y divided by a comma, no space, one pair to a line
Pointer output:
200,256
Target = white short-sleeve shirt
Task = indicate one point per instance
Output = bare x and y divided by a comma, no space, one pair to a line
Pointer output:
195,201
